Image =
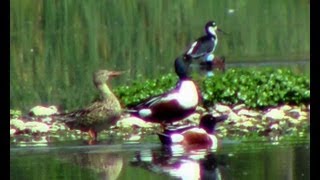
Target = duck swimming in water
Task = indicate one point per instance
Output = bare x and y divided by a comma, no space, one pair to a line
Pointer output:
202,135
173,105
99,115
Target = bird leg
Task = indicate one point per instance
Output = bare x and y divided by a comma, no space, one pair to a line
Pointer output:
163,125
92,134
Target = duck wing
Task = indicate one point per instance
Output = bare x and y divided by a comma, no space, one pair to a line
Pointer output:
154,100
95,112
200,47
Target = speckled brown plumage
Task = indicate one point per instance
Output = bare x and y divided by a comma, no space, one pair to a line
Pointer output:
101,114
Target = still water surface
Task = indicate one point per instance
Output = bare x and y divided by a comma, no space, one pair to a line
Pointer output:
232,160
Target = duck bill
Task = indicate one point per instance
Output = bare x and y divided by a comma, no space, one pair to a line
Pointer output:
220,30
115,73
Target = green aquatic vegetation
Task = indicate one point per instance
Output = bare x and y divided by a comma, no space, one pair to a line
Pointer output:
138,91
256,88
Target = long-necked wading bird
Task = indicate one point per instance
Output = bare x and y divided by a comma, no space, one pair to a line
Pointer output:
204,46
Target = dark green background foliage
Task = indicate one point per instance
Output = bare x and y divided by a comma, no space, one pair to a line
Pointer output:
257,88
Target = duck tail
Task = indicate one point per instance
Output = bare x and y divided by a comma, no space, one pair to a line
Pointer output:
130,111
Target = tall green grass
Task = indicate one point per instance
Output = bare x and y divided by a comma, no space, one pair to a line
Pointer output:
57,45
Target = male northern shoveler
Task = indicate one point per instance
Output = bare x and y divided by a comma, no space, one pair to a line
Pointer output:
173,105
99,115
203,135
204,46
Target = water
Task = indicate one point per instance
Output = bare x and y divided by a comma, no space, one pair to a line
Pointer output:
288,159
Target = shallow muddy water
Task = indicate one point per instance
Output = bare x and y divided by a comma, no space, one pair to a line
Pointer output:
287,159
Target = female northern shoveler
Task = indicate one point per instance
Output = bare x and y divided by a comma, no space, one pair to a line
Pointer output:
173,105
99,115
203,135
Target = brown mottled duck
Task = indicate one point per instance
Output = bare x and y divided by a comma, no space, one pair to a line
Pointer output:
101,114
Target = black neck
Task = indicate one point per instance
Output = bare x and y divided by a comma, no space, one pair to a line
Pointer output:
181,68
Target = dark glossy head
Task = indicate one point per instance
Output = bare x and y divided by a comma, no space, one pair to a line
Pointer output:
102,76
208,122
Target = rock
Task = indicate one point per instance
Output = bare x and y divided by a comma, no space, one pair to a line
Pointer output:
133,121
200,109
303,107
274,126
135,137
43,111
215,113
274,114
249,113
18,124
283,123
57,126
37,127
304,115
294,113
294,121
285,108
233,117
47,120
222,108
247,124
194,118
238,107
260,127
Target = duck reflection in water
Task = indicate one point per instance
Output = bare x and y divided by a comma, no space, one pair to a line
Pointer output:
107,166
178,163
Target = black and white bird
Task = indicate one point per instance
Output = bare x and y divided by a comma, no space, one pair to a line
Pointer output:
173,105
204,46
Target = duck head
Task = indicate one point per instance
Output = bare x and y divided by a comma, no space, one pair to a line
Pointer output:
102,76
208,122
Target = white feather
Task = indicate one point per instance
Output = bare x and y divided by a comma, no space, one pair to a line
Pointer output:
187,96
212,30
214,141
177,138
145,112
191,48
